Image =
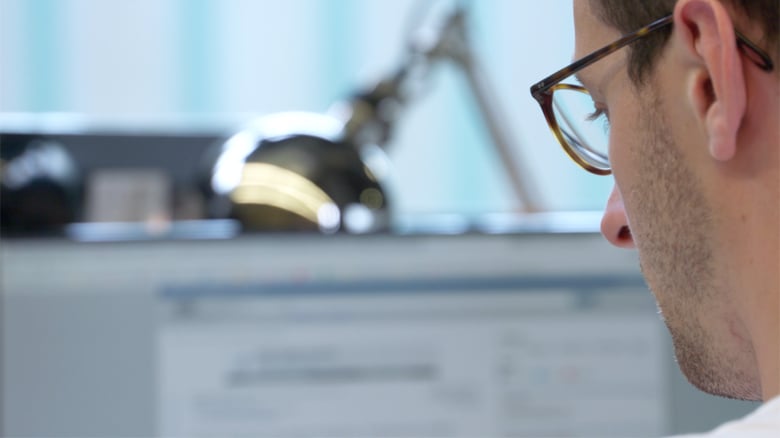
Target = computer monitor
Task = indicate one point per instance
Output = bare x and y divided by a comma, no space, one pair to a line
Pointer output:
455,335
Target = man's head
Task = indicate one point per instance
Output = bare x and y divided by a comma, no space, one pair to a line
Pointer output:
694,146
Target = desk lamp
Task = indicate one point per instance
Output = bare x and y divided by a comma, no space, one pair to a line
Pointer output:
324,172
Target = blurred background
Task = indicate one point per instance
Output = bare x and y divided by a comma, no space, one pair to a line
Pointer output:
207,67
134,303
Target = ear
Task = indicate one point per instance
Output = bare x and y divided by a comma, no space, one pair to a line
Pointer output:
705,31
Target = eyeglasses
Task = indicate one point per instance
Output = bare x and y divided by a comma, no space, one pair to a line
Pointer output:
568,108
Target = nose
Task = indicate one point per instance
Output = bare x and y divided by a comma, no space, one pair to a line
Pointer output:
614,224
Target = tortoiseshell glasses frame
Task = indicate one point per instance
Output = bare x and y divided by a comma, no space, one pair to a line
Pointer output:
543,90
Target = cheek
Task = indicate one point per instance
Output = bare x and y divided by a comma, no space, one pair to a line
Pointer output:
623,140
624,121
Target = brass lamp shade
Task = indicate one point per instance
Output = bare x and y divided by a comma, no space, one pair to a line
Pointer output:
295,172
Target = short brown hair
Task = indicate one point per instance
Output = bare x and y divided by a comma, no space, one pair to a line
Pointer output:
630,15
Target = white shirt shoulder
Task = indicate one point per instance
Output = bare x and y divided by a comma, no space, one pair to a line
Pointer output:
763,422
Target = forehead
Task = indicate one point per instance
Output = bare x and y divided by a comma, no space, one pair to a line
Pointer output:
590,33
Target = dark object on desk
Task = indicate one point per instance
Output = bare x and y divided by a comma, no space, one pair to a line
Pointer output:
40,185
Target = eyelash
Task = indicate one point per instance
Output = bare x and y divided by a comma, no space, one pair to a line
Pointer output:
598,112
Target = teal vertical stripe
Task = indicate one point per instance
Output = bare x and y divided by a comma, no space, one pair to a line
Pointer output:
475,165
43,87
478,172
199,63
338,22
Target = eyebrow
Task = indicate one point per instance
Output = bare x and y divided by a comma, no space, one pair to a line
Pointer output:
579,77
587,81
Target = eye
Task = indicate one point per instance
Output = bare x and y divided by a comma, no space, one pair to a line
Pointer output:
602,114
597,114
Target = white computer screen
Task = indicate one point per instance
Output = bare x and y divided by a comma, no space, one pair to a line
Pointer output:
300,335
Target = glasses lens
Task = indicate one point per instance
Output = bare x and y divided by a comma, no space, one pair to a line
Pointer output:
584,128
